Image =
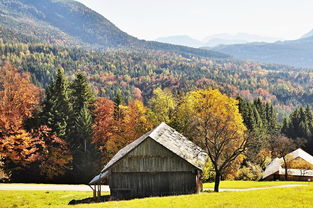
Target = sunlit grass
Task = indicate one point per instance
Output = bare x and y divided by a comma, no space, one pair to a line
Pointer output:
39,198
251,184
277,197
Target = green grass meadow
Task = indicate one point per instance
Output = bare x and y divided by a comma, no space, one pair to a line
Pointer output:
275,197
251,184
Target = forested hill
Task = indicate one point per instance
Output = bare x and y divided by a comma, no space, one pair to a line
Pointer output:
138,72
40,36
293,52
70,23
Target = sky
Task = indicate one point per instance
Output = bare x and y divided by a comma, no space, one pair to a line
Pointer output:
150,19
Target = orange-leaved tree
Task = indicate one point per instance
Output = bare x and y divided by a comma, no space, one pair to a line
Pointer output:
113,133
102,127
55,155
18,99
21,151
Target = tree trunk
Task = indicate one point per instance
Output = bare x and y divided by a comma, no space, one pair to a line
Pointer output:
286,169
217,181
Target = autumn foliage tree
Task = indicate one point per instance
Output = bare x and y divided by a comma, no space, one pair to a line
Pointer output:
26,153
217,126
162,105
18,99
301,164
39,153
137,120
55,156
112,133
103,112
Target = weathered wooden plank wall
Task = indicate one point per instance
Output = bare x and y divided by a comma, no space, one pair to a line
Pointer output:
151,170
151,157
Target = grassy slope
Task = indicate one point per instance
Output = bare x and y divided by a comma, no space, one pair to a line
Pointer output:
277,197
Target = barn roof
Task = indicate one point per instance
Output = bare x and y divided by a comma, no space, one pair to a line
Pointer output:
170,139
276,164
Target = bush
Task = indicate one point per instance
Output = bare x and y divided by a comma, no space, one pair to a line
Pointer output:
250,172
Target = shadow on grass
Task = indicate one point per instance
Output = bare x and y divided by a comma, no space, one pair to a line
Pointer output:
208,191
106,198
91,200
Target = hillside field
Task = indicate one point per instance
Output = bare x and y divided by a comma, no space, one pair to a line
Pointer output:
275,197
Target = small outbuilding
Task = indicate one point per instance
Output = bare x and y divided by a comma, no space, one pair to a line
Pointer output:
301,167
162,162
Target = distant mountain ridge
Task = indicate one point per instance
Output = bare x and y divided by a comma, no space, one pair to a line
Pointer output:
293,52
307,35
184,40
215,40
70,23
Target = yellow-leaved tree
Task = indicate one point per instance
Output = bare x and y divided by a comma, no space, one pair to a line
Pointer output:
162,106
216,125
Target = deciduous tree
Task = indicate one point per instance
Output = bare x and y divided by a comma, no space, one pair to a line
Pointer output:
162,106
280,147
218,128
19,98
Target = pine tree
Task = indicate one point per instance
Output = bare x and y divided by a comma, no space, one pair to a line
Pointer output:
82,99
57,108
86,157
308,113
300,125
286,127
81,94
118,100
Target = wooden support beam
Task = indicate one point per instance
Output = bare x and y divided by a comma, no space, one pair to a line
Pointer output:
95,192
99,190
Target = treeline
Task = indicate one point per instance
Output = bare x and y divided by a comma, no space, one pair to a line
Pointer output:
65,134
138,73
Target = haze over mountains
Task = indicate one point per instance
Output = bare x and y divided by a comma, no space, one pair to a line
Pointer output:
292,52
257,48
307,35
69,23
215,40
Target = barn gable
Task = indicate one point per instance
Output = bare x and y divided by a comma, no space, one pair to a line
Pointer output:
150,156
166,137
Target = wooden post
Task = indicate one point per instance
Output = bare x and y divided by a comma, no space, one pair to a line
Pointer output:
99,191
95,192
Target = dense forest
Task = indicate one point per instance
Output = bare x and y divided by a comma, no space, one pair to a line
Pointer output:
65,134
138,72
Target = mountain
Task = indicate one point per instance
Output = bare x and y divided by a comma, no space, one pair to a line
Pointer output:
215,40
184,40
293,52
70,23
239,38
307,35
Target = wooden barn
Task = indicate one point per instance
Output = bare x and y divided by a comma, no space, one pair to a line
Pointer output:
299,159
161,162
